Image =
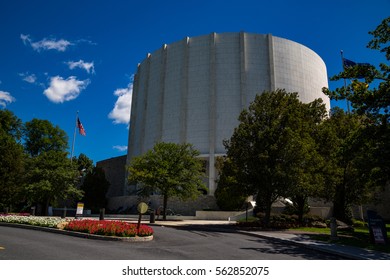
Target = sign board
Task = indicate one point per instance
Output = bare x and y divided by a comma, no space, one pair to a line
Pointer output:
378,235
142,208
377,228
80,208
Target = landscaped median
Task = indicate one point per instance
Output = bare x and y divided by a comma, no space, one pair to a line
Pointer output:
106,229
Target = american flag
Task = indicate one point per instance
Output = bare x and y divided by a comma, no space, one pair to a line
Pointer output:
81,127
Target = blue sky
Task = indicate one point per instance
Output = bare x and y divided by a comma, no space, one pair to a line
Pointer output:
60,57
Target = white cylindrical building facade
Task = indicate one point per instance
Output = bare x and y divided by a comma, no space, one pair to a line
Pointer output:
193,90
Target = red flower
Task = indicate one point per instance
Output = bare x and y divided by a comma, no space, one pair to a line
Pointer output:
108,228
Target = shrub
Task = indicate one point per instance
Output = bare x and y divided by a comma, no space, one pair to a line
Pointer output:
276,221
283,221
359,224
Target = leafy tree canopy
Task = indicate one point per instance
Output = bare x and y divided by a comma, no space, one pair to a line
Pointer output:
11,170
84,163
95,187
171,169
272,143
229,194
344,156
41,136
364,98
369,94
11,159
51,177
10,124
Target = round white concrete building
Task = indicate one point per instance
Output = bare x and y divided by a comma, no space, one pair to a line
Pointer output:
193,90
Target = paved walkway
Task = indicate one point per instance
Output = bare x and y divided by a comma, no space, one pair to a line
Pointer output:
300,239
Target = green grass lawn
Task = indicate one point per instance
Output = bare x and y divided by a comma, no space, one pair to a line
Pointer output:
360,237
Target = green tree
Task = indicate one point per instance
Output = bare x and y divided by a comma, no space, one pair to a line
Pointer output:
84,164
229,194
171,169
11,125
95,187
365,98
306,177
41,136
369,94
11,159
271,144
344,155
51,178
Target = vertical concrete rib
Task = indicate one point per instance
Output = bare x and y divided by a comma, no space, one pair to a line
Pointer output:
145,105
133,123
242,71
133,115
212,112
163,69
271,62
184,91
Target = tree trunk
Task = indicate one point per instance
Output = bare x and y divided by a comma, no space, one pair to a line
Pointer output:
341,209
267,217
46,210
165,202
300,204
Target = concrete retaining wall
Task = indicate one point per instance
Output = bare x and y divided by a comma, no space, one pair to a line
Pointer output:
184,208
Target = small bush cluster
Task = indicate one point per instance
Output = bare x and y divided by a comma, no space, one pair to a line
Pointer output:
108,228
359,224
283,221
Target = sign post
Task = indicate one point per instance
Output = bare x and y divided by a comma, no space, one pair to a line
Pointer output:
79,210
142,208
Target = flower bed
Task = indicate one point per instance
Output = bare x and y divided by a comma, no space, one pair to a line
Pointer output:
108,228
51,222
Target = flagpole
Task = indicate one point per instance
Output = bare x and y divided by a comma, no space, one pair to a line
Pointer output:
74,136
345,81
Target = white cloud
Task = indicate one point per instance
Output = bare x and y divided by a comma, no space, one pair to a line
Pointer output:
61,90
87,66
29,78
25,38
46,44
120,148
122,107
5,97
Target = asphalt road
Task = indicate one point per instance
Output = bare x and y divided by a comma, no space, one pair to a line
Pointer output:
184,243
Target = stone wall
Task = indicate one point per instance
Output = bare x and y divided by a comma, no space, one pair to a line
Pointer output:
382,204
114,169
184,208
